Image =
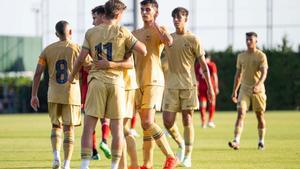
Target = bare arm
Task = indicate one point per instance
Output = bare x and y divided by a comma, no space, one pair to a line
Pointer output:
127,63
206,73
216,80
236,85
35,86
140,47
164,36
261,81
78,63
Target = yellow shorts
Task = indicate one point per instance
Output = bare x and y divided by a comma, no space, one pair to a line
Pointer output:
149,97
105,100
176,100
246,97
64,114
130,103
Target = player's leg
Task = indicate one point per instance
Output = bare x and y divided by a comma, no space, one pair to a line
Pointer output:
189,136
171,105
259,106
68,145
242,107
95,107
211,110
116,126
105,134
86,141
95,155
133,124
202,108
56,132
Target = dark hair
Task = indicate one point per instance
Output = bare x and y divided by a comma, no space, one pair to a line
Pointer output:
98,10
60,27
180,10
152,2
251,34
113,7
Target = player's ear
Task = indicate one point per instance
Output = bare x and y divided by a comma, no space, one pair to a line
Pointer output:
70,32
56,34
156,14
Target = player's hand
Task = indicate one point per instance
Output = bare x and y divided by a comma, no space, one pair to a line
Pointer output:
71,79
217,91
35,103
234,97
102,64
211,95
256,88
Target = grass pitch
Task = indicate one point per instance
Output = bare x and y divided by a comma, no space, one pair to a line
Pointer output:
25,143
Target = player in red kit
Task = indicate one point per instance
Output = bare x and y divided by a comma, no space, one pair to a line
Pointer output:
202,91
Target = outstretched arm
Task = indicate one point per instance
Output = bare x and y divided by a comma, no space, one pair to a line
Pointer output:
35,104
164,36
78,63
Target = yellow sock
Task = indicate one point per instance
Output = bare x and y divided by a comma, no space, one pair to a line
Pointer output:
160,139
174,132
148,149
123,160
86,153
56,139
261,134
189,138
131,149
68,144
237,133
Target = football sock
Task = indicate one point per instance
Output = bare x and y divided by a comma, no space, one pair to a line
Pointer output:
189,137
261,134
131,149
105,132
237,133
203,114
68,144
174,132
212,109
160,139
56,140
148,148
94,141
133,121
86,154
116,156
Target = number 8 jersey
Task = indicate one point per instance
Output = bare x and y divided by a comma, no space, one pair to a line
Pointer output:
60,58
109,42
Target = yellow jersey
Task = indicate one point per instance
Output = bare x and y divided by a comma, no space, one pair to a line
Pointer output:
181,59
110,42
60,58
130,78
148,68
250,63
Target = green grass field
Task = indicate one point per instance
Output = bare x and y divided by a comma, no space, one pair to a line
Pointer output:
25,143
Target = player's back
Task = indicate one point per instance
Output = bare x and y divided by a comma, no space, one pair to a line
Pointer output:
60,58
108,42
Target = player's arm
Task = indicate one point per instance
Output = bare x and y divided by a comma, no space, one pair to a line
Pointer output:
163,34
127,63
35,104
236,84
216,81
204,67
78,63
261,81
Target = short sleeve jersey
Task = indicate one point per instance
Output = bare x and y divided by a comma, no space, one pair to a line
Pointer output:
108,42
250,64
181,59
60,58
148,68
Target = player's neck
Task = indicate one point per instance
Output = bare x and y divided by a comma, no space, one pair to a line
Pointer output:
148,24
251,50
180,31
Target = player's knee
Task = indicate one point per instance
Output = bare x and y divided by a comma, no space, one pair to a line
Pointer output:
146,124
168,123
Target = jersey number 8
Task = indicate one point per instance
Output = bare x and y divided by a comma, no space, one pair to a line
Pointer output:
61,68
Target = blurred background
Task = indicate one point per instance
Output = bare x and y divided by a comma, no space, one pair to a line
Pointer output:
27,26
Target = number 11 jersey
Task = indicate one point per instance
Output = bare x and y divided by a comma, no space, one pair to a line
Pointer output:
109,42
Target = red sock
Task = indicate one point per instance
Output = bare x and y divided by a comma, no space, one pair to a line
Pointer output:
212,109
133,121
105,131
94,140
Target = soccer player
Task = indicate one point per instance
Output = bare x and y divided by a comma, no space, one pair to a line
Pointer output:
98,15
130,88
105,97
151,84
180,93
63,97
202,91
251,73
